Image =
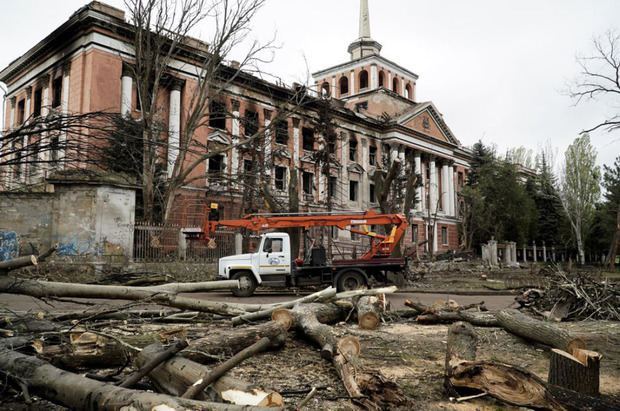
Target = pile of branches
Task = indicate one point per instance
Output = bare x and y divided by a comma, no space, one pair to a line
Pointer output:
574,296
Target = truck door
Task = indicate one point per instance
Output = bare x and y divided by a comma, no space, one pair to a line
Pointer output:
273,257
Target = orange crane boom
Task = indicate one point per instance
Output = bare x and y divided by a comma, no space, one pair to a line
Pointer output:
380,245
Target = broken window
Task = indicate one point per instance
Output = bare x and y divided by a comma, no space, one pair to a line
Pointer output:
282,132
353,190
248,168
280,178
332,186
21,109
216,164
38,101
308,138
344,85
250,123
307,182
56,92
363,79
371,193
372,155
353,149
217,115
331,147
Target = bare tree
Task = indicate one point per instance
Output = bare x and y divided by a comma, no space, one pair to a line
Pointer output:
600,77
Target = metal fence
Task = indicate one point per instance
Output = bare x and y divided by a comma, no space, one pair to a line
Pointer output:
158,242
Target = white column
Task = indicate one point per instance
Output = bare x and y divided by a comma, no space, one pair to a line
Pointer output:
418,170
296,144
435,242
389,82
364,195
333,87
235,137
352,83
452,192
65,110
126,91
374,81
268,135
424,187
393,152
25,139
445,196
174,125
44,111
433,186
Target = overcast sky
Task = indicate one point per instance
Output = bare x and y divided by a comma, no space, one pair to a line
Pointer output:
495,69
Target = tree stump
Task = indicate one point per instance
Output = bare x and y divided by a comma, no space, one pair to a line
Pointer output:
368,309
578,372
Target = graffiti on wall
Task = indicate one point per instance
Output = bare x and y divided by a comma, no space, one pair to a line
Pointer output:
9,245
76,245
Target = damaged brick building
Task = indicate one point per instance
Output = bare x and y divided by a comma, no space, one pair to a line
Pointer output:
82,67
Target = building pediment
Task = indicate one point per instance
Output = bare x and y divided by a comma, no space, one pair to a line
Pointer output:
425,118
355,168
220,137
308,158
281,152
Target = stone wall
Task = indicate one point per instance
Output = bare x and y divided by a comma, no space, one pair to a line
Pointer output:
91,223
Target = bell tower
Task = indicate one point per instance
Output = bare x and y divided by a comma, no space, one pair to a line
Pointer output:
364,45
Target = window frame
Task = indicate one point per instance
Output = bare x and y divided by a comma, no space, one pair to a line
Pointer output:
282,179
307,133
354,190
218,111
444,235
57,92
310,176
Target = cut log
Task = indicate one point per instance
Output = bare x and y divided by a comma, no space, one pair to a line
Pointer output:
368,312
266,313
481,319
8,265
231,341
578,372
177,374
507,383
155,295
527,327
209,377
76,392
41,257
359,293
306,317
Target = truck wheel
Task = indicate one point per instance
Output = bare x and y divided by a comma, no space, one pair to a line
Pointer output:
350,280
247,284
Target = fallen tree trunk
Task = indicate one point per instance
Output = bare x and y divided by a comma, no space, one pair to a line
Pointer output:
266,313
368,312
76,392
155,295
150,365
229,342
507,383
8,265
177,374
527,327
481,319
41,257
306,318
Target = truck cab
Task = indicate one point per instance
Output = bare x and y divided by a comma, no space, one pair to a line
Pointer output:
270,265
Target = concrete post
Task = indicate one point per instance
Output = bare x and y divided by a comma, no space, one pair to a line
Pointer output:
524,254
182,246
238,243
174,125
513,253
553,254
493,252
534,251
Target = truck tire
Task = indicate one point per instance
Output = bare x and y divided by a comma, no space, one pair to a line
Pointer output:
247,284
350,280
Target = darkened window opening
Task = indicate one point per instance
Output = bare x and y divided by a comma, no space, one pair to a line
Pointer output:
353,149
332,186
395,85
21,110
282,132
251,123
444,235
38,93
414,234
307,182
371,193
353,190
381,79
307,138
54,146
331,147
56,92
216,163
460,178
372,155
280,178
344,85
385,154
363,79
217,115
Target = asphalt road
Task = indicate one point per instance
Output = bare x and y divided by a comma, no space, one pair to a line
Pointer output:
16,302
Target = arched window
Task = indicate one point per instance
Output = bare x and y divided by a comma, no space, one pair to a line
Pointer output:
325,90
363,79
395,85
344,85
408,91
381,79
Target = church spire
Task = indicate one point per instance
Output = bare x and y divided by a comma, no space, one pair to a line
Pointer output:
364,20
364,45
